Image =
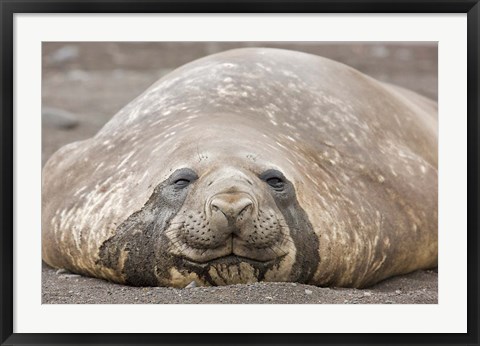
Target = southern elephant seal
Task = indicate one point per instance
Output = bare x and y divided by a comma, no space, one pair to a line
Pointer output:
250,165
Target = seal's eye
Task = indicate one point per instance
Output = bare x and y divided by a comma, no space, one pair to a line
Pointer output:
181,182
275,182
274,178
183,177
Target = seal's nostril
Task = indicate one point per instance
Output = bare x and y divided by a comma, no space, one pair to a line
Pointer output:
231,205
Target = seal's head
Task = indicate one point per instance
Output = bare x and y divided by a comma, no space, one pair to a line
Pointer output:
226,213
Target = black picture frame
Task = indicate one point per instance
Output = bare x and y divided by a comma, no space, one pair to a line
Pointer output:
10,7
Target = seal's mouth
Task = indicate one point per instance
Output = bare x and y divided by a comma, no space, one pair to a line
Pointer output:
233,259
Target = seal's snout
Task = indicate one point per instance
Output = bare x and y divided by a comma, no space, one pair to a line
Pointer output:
233,206
229,215
229,212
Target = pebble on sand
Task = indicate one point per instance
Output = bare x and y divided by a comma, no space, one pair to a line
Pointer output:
192,284
59,118
64,54
62,271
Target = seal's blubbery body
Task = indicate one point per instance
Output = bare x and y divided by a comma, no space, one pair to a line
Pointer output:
249,165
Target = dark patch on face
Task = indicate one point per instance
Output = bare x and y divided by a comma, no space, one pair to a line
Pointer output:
142,234
301,230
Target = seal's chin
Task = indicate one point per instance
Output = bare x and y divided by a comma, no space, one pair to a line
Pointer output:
230,270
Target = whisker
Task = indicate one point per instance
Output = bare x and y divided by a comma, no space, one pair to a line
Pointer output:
176,241
288,255
171,230
183,246
286,239
272,250
283,252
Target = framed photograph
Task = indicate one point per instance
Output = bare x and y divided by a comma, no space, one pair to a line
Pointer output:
239,173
